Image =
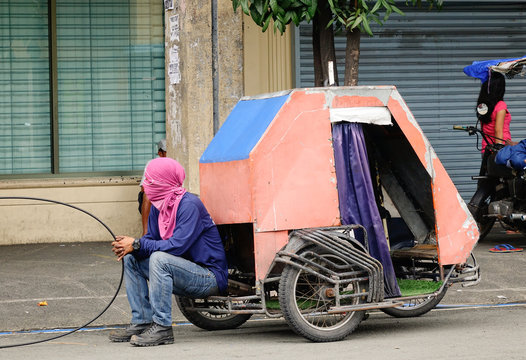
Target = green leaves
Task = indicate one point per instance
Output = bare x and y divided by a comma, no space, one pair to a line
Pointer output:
358,14
266,23
276,9
346,14
311,10
281,12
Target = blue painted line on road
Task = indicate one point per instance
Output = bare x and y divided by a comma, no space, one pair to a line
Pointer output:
182,324
58,330
444,306
62,330
47,331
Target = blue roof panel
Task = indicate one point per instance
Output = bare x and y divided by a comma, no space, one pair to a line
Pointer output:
242,129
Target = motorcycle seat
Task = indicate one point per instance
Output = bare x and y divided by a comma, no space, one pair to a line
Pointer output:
496,170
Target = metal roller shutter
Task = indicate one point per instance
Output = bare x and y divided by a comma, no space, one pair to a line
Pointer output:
423,54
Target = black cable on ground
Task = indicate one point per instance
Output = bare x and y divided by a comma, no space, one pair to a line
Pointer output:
114,296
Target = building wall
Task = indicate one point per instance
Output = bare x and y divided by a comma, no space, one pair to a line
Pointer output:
112,200
215,74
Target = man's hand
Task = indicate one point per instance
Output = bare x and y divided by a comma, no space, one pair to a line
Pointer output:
121,246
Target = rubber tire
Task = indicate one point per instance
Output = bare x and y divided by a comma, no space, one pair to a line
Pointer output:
299,325
421,309
484,225
199,319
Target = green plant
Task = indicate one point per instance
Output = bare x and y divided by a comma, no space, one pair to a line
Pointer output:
346,14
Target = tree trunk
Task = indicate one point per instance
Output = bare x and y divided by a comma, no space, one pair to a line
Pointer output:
352,57
323,46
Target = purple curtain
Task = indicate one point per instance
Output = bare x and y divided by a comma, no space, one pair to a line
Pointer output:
356,196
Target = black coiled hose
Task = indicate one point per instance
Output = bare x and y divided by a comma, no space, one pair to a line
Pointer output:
116,292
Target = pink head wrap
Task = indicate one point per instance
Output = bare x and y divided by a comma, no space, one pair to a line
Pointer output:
162,183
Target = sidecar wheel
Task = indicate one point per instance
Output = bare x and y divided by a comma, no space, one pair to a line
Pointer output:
304,305
416,307
207,320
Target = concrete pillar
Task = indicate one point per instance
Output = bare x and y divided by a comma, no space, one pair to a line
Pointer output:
230,55
195,100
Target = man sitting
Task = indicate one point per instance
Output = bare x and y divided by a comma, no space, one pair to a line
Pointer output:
181,254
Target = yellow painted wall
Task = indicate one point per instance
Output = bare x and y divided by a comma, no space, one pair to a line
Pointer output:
112,200
268,59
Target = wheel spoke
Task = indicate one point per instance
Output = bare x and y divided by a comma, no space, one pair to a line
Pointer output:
306,297
313,304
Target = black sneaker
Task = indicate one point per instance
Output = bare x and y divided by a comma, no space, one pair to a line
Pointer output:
155,335
126,334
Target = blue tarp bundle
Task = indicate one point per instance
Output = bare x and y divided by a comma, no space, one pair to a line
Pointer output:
513,156
480,69
356,196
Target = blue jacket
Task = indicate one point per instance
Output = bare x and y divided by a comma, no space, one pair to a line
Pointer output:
513,156
195,238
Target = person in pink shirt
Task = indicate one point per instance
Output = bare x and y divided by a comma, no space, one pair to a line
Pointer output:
492,111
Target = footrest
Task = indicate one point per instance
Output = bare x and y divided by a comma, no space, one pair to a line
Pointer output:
365,306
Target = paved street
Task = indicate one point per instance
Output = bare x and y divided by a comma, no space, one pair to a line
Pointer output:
484,333
78,280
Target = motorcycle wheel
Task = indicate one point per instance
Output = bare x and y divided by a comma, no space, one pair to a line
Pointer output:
485,224
485,227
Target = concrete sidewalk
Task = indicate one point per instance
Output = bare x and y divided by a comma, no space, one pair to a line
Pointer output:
78,280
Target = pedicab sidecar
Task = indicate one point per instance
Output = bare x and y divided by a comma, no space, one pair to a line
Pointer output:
329,201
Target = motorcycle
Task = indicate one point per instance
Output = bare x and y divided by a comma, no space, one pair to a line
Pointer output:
501,191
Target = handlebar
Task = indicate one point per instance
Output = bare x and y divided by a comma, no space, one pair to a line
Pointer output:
490,140
459,127
472,130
